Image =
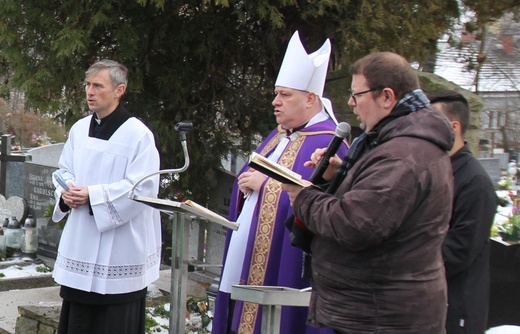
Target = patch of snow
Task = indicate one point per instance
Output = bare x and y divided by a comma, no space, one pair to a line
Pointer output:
505,329
193,323
163,323
18,271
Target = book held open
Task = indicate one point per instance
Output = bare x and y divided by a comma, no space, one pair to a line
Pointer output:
188,207
275,170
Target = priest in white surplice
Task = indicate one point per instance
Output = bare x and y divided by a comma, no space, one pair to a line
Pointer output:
110,248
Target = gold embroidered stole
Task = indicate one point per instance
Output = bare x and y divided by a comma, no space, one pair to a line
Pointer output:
265,228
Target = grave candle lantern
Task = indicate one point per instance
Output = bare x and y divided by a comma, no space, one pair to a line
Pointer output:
29,240
2,244
13,234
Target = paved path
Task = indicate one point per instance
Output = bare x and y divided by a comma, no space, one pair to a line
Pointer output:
47,296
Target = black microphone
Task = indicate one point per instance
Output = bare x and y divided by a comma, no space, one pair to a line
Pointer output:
342,131
183,127
300,236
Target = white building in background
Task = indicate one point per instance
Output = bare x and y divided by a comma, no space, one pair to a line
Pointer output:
497,81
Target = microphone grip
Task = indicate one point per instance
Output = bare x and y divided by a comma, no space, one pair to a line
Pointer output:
333,186
340,175
333,147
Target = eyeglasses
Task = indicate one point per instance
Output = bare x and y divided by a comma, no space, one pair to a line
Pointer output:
353,95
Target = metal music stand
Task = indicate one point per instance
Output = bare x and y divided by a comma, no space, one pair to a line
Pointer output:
272,298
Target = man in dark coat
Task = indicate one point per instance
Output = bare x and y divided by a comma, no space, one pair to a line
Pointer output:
376,251
466,247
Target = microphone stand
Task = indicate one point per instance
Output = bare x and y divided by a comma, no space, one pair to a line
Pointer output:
179,233
182,127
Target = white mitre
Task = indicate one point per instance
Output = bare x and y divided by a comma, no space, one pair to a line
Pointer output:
306,72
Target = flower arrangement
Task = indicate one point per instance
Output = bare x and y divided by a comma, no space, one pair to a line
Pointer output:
510,231
505,183
39,139
507,220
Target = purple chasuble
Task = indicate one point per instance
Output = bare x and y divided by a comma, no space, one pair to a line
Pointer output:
270,259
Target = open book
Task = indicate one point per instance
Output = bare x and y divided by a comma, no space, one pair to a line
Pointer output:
207,213
274,170
187,207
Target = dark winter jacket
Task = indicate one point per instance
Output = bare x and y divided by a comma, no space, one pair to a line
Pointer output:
377,262
466,247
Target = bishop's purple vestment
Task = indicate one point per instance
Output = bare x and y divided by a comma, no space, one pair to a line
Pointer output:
269,258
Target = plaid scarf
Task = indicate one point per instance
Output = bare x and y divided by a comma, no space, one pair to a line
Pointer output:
410,103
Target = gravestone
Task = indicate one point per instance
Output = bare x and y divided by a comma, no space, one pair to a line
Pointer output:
216,234
504,299
10,177
503,158
14,206
206,239
39,193
48,155
492,167
196,240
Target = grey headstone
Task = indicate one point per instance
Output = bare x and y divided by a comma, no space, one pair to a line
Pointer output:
15,178
215,246
492,167
14,206
216,234
196,244
39,192
503,158
48,155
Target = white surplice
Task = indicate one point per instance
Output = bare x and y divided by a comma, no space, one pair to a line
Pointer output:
118,248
